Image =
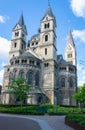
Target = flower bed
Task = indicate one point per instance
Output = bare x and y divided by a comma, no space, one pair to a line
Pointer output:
78,123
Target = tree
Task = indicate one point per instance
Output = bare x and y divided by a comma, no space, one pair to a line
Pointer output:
80,96
20,88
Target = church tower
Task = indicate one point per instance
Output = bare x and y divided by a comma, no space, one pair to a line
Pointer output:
48,35
18,42
48,51
70,51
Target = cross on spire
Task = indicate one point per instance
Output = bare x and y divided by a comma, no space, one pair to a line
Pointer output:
48,2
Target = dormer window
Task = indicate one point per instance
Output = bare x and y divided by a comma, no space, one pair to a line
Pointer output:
16,34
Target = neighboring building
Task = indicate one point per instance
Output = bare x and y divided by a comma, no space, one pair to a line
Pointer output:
54,79
0,89
0,93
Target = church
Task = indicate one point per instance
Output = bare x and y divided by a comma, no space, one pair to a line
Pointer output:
54,78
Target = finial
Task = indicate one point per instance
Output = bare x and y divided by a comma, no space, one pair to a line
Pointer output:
22,12
69,27
48,3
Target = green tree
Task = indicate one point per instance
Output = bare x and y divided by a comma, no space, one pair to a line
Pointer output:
79,96
20,88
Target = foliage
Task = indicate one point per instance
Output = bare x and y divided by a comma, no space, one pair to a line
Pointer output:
20,88
80,95
78,118
39,109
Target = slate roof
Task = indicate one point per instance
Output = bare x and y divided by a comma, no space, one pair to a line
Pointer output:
49,12
61,61
36,35
29,55
21,23
21,20
70,39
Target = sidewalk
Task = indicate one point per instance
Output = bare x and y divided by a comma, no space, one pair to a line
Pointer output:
55,122
26,122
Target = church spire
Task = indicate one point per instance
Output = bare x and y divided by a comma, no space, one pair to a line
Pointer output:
21,23
70,50
70,39
49,11
21,20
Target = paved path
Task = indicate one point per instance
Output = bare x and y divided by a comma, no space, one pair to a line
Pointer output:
13,123
55,122
22,122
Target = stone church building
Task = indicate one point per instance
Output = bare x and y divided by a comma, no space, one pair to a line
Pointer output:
54,79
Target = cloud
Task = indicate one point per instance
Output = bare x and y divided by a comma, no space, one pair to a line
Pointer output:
3,18
4,48
79,35
4,53
3,64
78,7
84,72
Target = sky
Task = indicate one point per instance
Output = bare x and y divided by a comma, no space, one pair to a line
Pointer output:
70,15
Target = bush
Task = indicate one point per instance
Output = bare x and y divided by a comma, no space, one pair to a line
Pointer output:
78,118
39,109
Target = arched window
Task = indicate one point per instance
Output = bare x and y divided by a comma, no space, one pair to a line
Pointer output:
69,55
45,25
16,34
22,46
15,74
22,74
62,82
37,79
71,84
39,99
15,44
46,38
48,25
45,51
30,77
13,55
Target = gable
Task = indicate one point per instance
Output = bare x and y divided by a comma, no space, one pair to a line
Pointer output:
47,18
69,47
17,26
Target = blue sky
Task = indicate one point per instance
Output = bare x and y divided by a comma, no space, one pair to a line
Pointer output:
70,14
